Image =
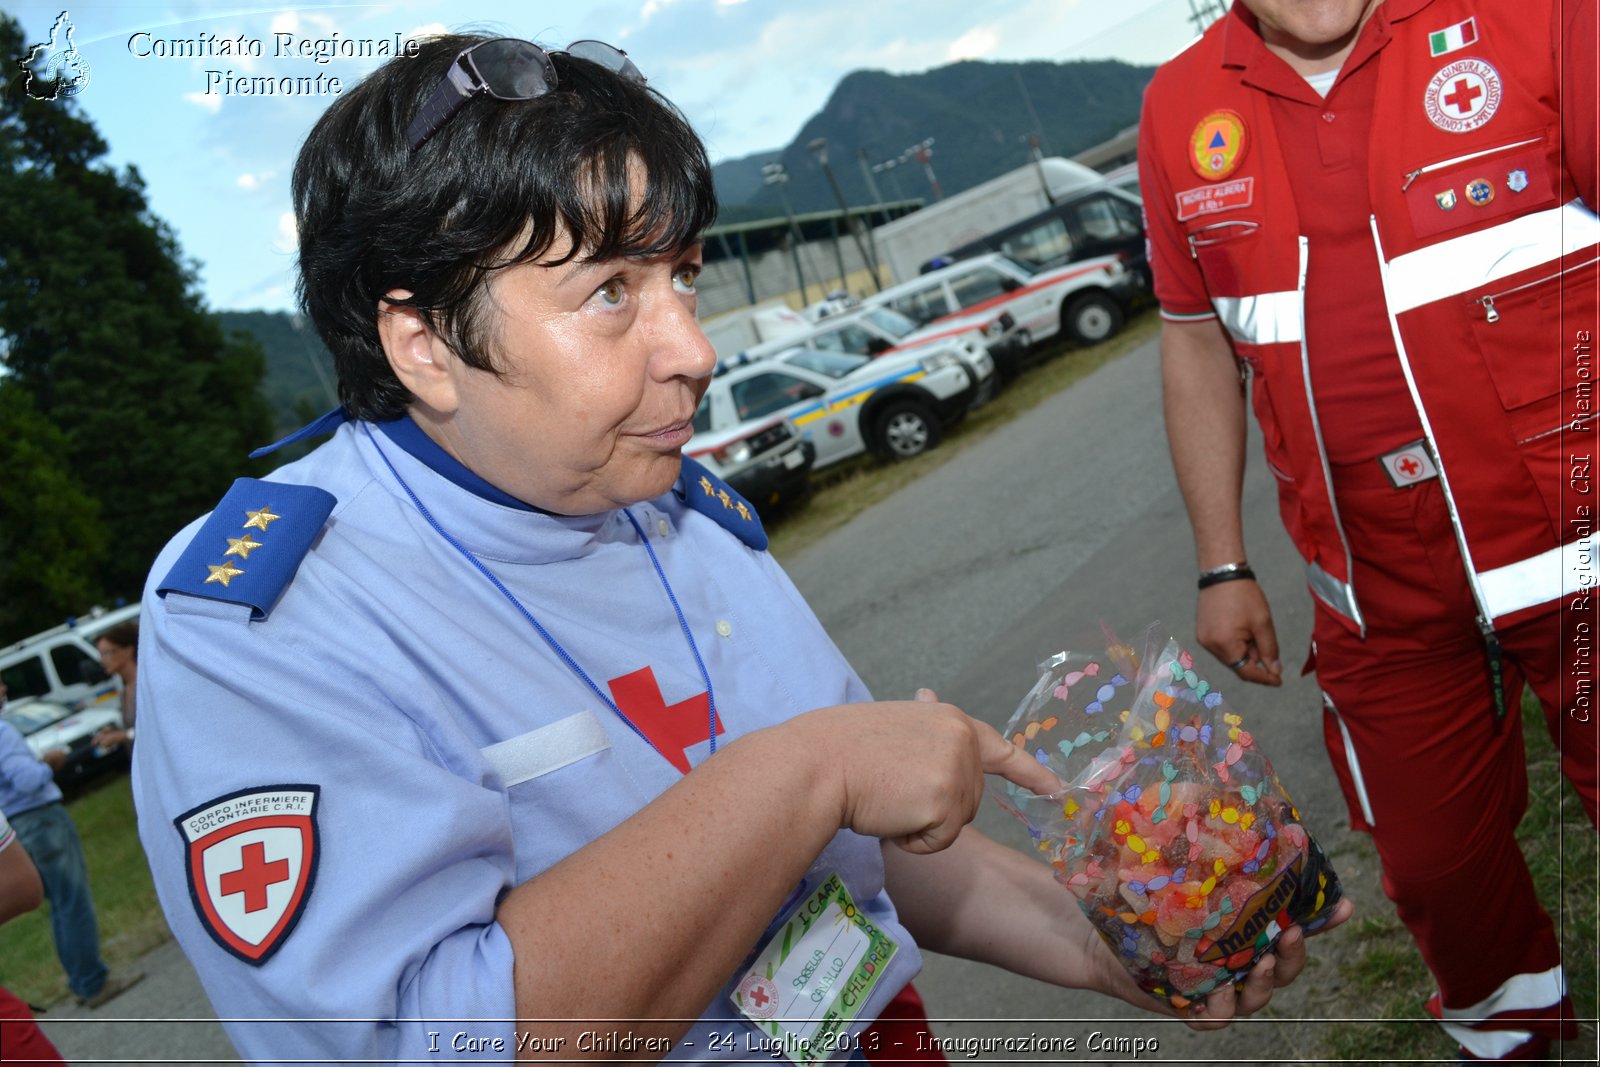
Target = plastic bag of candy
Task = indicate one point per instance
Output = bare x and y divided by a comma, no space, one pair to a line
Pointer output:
1173,832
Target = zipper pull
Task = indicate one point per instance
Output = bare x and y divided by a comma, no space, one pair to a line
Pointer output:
1411,178
1497,677
1490,314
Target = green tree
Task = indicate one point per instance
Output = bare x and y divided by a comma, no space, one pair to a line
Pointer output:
101,321
51,541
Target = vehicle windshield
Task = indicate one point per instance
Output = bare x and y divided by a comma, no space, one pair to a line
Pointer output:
1025,268
892,321
34,716
833,364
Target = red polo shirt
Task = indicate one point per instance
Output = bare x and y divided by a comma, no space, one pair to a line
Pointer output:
1362,401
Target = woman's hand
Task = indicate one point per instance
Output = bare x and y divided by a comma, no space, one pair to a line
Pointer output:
112,736
1234,1001
911,772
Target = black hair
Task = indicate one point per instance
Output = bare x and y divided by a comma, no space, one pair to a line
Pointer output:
493,187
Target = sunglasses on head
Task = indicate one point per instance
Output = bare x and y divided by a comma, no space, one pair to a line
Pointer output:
507,69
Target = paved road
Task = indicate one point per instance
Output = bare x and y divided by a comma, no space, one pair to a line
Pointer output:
1016,548
1021,547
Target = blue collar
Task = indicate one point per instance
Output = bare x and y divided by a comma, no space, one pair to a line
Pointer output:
409,436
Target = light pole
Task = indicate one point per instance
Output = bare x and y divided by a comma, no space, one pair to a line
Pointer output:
872,186
1038,163
819,149
923,152
774,174
887,167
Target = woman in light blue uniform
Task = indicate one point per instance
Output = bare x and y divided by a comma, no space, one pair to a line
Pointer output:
494,707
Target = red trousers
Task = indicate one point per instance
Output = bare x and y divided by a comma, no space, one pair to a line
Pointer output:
21,1040
1429,771
901,1033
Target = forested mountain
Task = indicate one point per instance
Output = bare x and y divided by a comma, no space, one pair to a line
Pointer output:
299,381
979,115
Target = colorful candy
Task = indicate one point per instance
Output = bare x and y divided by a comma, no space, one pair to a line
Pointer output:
1173,832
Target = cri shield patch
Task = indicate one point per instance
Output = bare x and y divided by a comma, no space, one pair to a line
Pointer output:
1216,148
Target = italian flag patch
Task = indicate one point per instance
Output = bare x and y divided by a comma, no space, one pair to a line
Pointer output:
1453,37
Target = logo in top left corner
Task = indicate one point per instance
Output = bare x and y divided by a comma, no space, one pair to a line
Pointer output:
55,69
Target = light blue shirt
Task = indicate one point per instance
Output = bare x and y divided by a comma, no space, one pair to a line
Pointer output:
453,755
25,782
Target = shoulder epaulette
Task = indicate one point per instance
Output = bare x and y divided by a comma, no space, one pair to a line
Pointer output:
249,549
714,498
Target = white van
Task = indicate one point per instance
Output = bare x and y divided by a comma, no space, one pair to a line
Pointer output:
1084,299
62,664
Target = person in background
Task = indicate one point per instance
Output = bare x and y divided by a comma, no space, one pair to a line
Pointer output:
119,656
20,892
494,707
1381,215
31,800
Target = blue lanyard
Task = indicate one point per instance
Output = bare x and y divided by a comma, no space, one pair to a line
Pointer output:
549,639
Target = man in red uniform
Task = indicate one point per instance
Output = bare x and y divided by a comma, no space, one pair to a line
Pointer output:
1380,214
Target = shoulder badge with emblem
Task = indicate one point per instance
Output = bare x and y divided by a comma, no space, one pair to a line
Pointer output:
711,496
251,861
249,549
1217,146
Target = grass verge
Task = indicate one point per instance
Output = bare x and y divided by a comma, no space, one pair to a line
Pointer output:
1386,983
844,491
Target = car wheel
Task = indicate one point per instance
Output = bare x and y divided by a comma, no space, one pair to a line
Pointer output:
1020,354
1091,318
906,428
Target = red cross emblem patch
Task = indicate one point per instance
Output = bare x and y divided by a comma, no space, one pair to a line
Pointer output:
1463,96
1408,465
251,858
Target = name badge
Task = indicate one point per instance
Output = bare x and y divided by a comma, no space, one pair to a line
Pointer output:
810,980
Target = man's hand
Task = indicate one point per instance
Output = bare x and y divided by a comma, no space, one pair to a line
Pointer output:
55,758
1234,623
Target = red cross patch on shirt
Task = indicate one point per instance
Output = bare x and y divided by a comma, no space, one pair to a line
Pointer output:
251,859
1409,464
671,728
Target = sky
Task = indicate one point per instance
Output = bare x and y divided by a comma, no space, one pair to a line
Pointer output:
747,73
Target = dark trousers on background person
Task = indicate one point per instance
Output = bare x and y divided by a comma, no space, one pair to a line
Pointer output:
51,840
1430,772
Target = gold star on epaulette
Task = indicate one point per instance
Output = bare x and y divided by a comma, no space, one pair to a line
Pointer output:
705,483
744,512
241,546
223,572
727,501
260,519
